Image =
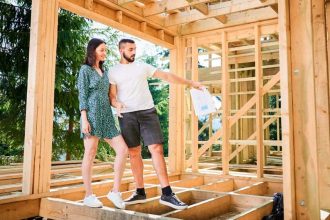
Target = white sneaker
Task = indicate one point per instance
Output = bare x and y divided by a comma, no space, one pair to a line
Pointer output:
115,198
92,201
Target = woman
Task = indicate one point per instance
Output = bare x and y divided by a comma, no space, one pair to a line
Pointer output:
97,122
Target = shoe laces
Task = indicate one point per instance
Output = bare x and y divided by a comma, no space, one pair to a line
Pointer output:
132,196
180,202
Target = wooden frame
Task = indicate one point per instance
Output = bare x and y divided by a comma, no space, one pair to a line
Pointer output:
229,31
40,97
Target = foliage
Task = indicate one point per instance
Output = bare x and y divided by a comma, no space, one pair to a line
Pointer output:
73,35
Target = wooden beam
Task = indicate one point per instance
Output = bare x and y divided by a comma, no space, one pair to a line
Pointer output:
322,83
232,20
287,111
119,16
304,109
207,210
237,33
259,96
143,26
203,8
57,208
259,188
40,97
219,186
158,8
122,2
161,34
89,4
223,9
176,144
106,12
189,182
20,210
225,88
194,118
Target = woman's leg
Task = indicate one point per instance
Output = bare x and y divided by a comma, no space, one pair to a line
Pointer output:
90,144
121,149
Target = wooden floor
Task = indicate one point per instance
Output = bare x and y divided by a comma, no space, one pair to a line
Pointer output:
209,194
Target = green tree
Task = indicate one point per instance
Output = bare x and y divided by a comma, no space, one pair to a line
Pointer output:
14,49
73,35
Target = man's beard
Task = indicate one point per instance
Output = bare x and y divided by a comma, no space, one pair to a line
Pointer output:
129,59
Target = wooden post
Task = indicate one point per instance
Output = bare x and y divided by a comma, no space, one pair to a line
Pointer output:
210,133
309,96
259,120
237,125
40,97
176,117
194,118
286,112
322,100
225,105
187,102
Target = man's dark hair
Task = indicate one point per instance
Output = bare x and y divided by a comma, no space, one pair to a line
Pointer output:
124,41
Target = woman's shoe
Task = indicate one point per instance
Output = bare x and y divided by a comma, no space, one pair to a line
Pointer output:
115,198
92,201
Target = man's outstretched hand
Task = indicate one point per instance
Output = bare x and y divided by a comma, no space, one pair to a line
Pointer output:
196,85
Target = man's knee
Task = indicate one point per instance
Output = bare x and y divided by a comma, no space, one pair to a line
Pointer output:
156,149
134,151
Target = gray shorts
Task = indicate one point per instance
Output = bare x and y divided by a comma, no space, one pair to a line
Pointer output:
141,124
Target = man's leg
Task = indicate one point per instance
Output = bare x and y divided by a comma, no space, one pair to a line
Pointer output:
167,198
139,196
158,160
152,137
131,133
136,165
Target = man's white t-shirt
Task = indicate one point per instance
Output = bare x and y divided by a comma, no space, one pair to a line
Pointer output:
132,85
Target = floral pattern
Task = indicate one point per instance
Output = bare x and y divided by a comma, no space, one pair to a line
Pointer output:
93,97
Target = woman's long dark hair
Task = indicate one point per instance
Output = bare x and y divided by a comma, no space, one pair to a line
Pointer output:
90,58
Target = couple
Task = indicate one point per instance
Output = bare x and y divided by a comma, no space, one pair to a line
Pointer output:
130,95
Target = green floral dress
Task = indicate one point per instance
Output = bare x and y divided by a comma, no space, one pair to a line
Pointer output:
93,97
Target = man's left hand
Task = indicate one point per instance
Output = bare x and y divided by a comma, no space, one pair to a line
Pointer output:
196,85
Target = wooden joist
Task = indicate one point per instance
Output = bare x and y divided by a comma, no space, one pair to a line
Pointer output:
60,209
111,14
232,20
156,8
223,11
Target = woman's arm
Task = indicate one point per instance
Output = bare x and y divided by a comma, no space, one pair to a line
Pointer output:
113,100
83,85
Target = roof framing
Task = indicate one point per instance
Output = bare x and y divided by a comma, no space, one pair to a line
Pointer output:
160,21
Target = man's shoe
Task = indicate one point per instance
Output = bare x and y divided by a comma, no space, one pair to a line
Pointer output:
172,201
92,201
115,198
136,199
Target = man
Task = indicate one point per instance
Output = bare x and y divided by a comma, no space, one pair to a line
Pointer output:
130,95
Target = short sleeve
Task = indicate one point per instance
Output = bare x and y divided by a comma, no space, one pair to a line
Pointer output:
150,70
83,85
111,78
